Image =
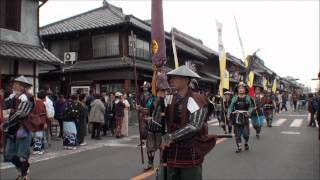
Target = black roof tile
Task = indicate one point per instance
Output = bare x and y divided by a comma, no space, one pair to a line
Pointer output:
27,52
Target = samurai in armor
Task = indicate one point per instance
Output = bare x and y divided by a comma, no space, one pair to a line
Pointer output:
268,107
155,127
257,115
225,121
18,137
217,102
145,108
187,141
239,111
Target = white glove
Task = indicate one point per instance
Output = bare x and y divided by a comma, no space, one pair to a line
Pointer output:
12,96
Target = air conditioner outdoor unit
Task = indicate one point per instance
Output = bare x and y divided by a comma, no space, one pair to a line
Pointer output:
70,57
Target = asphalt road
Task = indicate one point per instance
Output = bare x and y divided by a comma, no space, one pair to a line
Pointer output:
289,150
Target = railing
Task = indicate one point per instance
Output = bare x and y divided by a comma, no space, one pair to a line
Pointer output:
108,51
141,53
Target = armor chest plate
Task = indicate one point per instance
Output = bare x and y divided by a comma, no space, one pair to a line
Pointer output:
241,104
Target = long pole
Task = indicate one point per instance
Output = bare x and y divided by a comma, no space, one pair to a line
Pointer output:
176,62
246,62
240,40
133,46
1,114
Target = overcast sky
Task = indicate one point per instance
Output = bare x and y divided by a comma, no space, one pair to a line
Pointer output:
286,31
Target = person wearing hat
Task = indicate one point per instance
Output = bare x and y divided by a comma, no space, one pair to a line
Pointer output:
239,110
257,115
155,125
269,105
145,108
186,141
224,119
18,138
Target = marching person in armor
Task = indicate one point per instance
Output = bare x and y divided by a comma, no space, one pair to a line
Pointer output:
145,107
186,141
18,136
239,111
268,107
257,115
217,102
224,119
155,126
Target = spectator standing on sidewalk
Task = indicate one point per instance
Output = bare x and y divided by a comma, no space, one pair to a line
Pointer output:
96,117
69,123
83,119
38,136
125,124
59,108
50,114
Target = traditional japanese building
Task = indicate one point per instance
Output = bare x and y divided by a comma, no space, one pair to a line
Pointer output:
21,50
96,48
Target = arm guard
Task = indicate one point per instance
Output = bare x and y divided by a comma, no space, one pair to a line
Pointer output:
24,108
196,121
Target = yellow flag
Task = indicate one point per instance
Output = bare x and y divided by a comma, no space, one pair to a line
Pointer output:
274,86
265,83
251,78
226,80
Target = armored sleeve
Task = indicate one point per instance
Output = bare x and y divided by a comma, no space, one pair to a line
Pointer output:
196,121
24,108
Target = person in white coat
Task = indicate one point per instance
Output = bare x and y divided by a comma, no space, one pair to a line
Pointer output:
125,124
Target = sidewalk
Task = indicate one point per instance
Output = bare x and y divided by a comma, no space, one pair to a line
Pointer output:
56,150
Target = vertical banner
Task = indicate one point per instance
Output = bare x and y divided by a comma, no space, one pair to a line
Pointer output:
265,83
226,80
250,84
222,61
274,86
158,46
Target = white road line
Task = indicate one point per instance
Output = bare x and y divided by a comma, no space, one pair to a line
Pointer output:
297,115
212,121
214,124
290,132
296,123
279,122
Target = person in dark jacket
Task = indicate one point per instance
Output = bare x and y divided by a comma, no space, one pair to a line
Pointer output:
59,108
312,109
82,123
72,116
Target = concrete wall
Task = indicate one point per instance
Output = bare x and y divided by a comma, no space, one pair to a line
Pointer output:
29,27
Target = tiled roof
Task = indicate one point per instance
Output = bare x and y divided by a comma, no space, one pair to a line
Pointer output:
104,17
27,52
96,18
